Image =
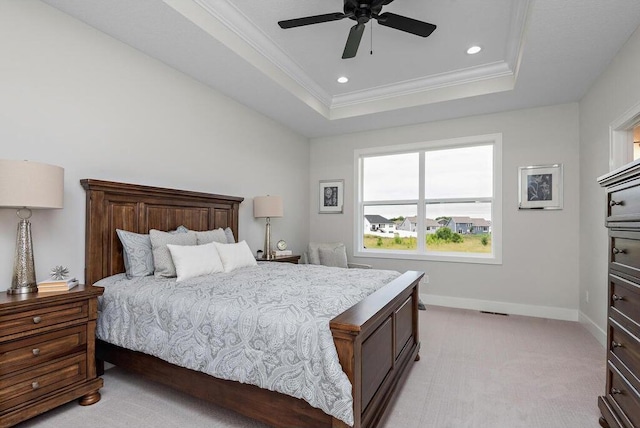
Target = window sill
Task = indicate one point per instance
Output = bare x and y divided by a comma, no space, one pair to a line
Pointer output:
489,259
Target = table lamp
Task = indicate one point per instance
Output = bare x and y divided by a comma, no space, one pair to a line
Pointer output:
26,185
267,207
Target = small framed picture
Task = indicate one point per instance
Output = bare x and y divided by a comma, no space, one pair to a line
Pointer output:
540,187
331,196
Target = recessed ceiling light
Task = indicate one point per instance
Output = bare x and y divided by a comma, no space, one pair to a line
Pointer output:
474,50
343,79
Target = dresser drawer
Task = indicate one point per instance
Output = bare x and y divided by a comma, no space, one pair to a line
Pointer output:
26,321
624,298
624,202
625,252
624,396
624,346
30,384
41,348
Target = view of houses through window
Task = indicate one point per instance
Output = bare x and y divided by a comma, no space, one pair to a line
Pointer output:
433,200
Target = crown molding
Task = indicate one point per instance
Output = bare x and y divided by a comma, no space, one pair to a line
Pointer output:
222,20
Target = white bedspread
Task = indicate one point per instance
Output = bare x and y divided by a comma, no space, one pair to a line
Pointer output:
266,325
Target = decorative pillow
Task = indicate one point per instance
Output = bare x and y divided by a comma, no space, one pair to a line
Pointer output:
210,236
313,255
230,238
163,264
137,254
235,256
336,257
180,229
195,260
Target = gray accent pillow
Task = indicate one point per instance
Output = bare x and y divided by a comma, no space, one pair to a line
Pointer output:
336,257
313,255
230,238
210,236
137,254
163,264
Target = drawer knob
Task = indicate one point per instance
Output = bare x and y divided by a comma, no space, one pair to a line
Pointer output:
615,344
613,203
615,391
618,251
35,385
36,320
35,352
615,297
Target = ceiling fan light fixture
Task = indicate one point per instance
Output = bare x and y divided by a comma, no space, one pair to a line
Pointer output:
474,50
343,79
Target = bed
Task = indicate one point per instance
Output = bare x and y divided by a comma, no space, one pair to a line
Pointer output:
376,339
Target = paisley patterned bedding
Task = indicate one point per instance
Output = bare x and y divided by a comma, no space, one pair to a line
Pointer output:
266,325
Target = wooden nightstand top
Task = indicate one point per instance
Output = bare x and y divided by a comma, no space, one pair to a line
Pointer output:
79,292
282,259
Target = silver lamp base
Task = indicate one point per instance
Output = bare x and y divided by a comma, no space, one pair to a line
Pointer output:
24,272
267,242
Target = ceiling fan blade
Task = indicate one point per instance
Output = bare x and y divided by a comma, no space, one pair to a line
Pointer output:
353,41
402,23
308,20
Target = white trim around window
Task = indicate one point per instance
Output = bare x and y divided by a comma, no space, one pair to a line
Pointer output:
421,252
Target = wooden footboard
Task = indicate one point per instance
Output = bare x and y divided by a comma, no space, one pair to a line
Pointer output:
375,339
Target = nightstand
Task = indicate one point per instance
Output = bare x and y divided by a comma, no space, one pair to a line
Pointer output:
47,352
282,259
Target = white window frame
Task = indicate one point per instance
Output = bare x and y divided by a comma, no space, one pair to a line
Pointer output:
495,257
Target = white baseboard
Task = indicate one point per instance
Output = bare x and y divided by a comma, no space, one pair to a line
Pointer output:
502,307
593,328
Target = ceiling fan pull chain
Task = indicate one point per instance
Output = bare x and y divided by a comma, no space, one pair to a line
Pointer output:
371,51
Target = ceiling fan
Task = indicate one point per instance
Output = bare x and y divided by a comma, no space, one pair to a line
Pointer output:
362,11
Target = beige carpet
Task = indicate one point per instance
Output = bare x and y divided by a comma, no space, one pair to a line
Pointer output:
477,370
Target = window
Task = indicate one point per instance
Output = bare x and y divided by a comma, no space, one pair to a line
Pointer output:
438,200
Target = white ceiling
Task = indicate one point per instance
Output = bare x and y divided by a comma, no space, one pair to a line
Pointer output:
535,52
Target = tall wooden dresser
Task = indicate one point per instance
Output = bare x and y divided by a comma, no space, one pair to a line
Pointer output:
620,407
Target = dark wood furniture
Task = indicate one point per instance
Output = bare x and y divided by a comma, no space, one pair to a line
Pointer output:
47,344
282,259
620,406
375,339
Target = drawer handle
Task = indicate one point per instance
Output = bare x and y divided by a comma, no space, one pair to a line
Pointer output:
618,251
615,344
615,297
35,385
615,391
613,203
36,351
36,320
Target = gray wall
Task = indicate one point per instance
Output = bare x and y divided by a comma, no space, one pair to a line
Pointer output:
74,97
613,94
540,249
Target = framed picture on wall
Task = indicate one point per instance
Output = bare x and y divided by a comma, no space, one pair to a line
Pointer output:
331,196
540,187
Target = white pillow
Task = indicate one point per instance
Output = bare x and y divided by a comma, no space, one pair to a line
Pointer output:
195,260
235,256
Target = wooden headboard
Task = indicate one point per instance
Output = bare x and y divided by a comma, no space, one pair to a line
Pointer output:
137,208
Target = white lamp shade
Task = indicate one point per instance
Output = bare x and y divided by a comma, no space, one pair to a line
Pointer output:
267,206
30,184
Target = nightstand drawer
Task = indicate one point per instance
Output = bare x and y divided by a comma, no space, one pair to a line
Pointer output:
41,348
42,317
29,384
